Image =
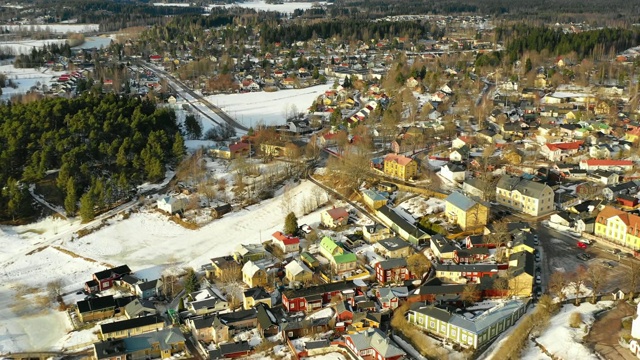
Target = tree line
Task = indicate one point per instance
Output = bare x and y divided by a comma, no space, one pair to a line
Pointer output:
521,38
100,145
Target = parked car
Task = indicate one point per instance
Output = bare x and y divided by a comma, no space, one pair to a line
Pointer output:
538,279
305,229
608,264
614,251
581,245
537,257
582,257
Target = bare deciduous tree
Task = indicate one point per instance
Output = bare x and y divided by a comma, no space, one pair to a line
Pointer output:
557,282
595,278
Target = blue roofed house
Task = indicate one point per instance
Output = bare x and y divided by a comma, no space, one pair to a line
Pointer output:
373,199
465,211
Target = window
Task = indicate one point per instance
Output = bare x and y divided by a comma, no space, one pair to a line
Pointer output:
432,324
420,321
453,332
290,334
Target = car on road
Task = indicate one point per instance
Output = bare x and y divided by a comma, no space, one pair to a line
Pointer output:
582,257
537,257
608,264
581,245
614,251
535,241
538,279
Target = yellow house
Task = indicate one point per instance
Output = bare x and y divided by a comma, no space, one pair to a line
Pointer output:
465,212
254,296
253,274
632,135
521,274
297,271
400,166
373,199
618,226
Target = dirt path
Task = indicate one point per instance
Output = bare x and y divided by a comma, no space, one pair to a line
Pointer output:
604,334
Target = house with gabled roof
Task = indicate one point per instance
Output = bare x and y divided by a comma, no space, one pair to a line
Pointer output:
267,322
454,172
470,329
442,248
296,271
205,301
254,296
400,166
138,308
105,279
373,343
94,309
286,243
606,164
560,151
619,227
463,273
341,260
392,270
254,274
173,204
521,273
393,248
334,217
530,197
148,289
162,344
403,228
130,327
466,212
314,297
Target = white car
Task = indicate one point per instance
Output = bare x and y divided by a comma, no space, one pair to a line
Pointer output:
305,229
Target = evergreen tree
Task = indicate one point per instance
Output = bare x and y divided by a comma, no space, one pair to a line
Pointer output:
191,283
16,197
291,224
527,65
178,148
71,200
192,127
87,212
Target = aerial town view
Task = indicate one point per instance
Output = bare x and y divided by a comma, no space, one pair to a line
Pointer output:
334,180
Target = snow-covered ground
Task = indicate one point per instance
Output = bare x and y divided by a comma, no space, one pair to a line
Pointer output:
172,4
328,356
26,46
95,42
31,257
268,108
25,79
562,340
287,7
56,28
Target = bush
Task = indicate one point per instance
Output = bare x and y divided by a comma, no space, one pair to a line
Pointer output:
575,320
626,323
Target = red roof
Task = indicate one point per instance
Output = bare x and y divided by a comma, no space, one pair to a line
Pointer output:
285,239
238,147
155,57
400,159
607,162
337,213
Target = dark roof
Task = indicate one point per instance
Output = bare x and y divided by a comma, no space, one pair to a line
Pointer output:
472,251
443,245
203,322
131,324
129,279
524,263
100,303
92,283
241,315
124,301
148,285
401,222
264,319
257,293
319,290
232,348
468,267
319,344
432,311
110,348
393,243
393,263
117,271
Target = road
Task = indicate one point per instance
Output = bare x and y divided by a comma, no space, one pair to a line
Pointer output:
559,254
224,116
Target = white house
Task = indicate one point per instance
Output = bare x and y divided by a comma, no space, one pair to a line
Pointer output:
173,204
288,244
453,172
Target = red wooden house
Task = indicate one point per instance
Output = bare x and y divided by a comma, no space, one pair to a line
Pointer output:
471,255
392,270
105,278
626,200
313,298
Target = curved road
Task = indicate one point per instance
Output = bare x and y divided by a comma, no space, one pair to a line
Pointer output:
224,116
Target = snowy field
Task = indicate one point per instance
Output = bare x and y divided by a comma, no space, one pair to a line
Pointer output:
287,7
563,341
267,107
25,79
26,46
35,254
172,4
56,28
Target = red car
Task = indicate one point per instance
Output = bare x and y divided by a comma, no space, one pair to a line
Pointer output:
582,245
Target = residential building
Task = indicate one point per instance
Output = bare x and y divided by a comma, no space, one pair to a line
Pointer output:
606,164
389,297
286,243
236,350
373,199
341,260
313,298
606,178
267,322
94,309
254,296
523,195
465,211
296,271
253,274
400,167
560,151
471,329
618,226
392,271
373,344
162,344
106,278
173,204
332,218
393,248
225,267
627,188
401,226
148,289
376,232
463,273
232,151
249,252
476,188
454,172
131,327
442,248
138,308
206,301
521,273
